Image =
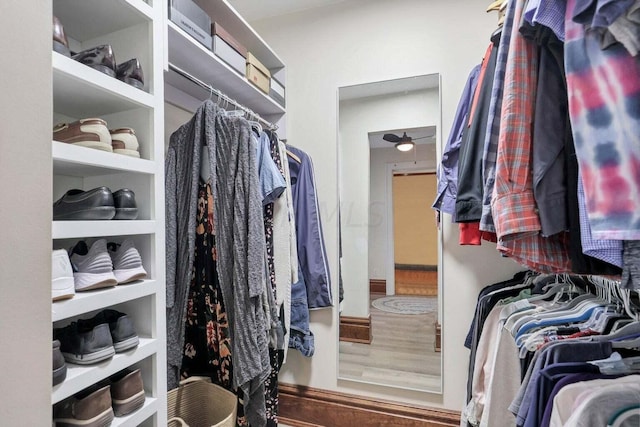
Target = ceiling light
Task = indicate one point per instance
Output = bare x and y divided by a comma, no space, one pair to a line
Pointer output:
405,145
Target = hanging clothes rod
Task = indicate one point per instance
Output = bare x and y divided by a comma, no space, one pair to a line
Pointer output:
222,96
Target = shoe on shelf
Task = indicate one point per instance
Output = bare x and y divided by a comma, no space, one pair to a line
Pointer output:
125,203
89,408
62,286
127,263
131,73
83,343
100,58
60,43
93,268
96,204
127,392
59,366
90,132
123,332
124,141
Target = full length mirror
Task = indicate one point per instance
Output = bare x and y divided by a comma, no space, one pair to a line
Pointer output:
391,247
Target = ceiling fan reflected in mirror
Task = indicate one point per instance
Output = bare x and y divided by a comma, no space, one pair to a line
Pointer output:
403,143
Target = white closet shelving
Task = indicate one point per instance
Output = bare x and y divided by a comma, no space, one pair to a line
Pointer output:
134,29
192,57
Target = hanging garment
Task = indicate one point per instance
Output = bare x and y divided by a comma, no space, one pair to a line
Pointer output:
241,253
604,106
312,255
490,148
207,346
182,170
470,184
448,168
285,250
513,204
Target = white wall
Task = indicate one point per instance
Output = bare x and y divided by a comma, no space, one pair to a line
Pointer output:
379,159
357,118
361,41
25,213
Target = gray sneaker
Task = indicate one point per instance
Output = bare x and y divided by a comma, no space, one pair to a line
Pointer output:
83,343
59,367
123,332
127,263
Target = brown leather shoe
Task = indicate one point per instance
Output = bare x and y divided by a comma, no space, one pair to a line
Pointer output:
89,408
60,42
92,133
127,392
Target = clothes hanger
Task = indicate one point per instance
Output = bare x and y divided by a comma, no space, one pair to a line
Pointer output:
294,157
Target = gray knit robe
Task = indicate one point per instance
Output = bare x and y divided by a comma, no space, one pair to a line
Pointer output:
240,244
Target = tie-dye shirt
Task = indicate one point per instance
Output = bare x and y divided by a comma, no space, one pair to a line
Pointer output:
604,106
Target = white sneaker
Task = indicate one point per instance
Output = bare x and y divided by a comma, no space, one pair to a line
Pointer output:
93,266
124,141
127,263
61,276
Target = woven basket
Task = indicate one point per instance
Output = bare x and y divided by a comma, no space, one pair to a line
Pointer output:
198,403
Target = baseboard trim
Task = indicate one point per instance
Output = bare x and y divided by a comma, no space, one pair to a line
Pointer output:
302,406
378,286
355,329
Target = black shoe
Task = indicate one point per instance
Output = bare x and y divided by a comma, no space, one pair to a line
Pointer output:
125,203
101,58
96,204
123,333
131,73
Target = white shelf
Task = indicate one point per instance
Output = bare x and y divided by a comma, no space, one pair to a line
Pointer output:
84,302
134,419
80,229
72,160
87,19
80,91
221,11
200,62
80,377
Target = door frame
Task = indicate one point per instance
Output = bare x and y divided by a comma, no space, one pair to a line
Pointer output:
411,167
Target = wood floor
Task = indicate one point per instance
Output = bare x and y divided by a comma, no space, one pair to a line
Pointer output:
401,352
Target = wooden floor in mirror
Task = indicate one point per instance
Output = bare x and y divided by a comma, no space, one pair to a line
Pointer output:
402,351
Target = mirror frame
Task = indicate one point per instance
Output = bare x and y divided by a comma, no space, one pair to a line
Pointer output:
390,263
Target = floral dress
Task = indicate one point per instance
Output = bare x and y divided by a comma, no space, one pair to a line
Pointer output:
207,346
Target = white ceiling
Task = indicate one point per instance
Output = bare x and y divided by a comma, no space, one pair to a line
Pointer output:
254,10
376,141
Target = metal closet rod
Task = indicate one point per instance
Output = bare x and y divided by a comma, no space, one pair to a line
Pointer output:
220,94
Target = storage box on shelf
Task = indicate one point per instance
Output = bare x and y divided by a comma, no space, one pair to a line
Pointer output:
227,48
257,73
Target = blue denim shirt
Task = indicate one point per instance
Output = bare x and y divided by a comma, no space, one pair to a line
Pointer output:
448,168
312,255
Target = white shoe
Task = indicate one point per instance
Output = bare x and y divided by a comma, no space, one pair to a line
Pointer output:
94,269
62,286
127,263
124,141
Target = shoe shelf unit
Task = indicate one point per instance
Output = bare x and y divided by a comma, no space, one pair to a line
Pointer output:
191,56
134,29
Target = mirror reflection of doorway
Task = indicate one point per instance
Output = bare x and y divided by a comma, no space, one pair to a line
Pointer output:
415,234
